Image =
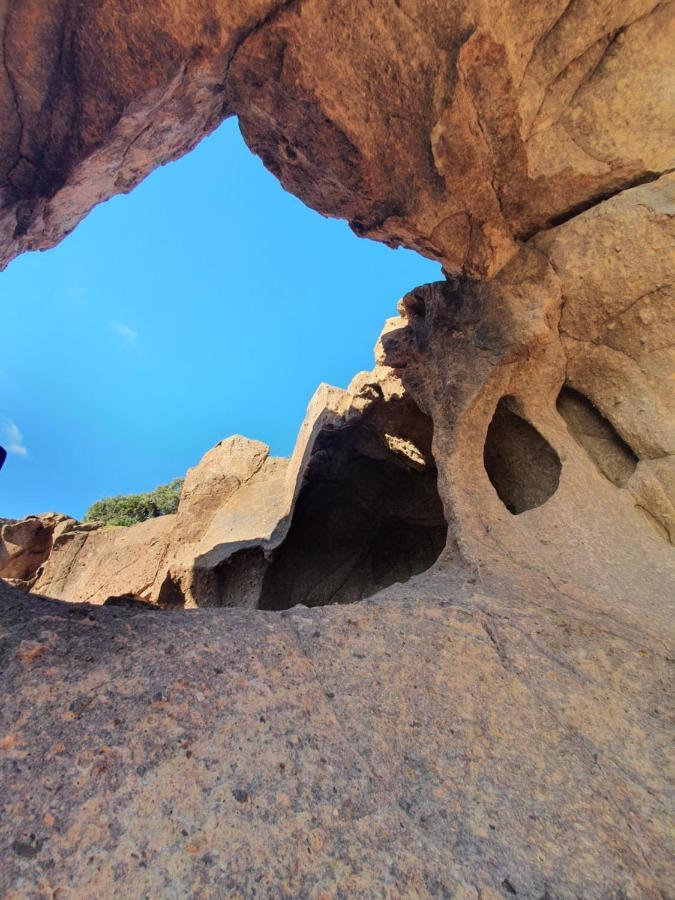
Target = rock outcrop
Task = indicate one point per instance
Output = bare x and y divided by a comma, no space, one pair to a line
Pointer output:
25,545
354,509
496,719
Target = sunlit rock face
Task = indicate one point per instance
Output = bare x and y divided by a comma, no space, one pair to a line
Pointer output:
555,371
445,665
454,127
25,545
355,509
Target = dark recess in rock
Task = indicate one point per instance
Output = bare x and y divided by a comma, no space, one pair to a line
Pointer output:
130,601
596,434
170,595
523,467
237,581
366,518
360,525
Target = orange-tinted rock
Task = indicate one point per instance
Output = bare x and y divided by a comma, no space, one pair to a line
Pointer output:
496,720
454,128
25,545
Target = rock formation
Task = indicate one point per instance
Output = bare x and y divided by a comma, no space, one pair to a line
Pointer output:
454,128
496,720
26,545
353,510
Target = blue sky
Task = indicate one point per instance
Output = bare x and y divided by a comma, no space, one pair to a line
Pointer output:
205,303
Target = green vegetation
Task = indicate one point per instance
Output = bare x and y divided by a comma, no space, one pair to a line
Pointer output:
136,507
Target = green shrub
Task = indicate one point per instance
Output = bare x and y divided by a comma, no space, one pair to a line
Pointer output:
136,507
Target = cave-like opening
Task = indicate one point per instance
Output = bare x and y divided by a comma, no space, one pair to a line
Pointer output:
522,466
596,434
368,515
198,305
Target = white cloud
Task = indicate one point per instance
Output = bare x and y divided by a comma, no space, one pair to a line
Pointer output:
126,332
12,438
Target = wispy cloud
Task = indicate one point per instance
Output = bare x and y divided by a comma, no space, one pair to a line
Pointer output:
124,331
12,438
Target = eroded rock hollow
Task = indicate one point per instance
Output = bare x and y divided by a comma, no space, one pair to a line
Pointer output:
445,666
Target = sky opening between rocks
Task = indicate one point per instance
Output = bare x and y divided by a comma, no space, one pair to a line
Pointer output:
205,303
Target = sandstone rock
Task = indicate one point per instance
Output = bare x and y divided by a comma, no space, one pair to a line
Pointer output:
355,508
454,128
26,544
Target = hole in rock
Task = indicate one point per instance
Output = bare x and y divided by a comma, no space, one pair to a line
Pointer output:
596,434
367,516
523,467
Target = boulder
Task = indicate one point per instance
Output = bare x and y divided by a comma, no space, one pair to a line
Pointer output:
93,564
25,545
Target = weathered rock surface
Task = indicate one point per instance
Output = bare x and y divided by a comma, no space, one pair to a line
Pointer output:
496,720
454,128
103,562
354,509
500,724
357,508
471,743
25,545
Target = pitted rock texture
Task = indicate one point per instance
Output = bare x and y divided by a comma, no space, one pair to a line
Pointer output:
474,743
479,352
453,128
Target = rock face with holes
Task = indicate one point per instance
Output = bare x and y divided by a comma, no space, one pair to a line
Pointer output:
496,720
575,483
